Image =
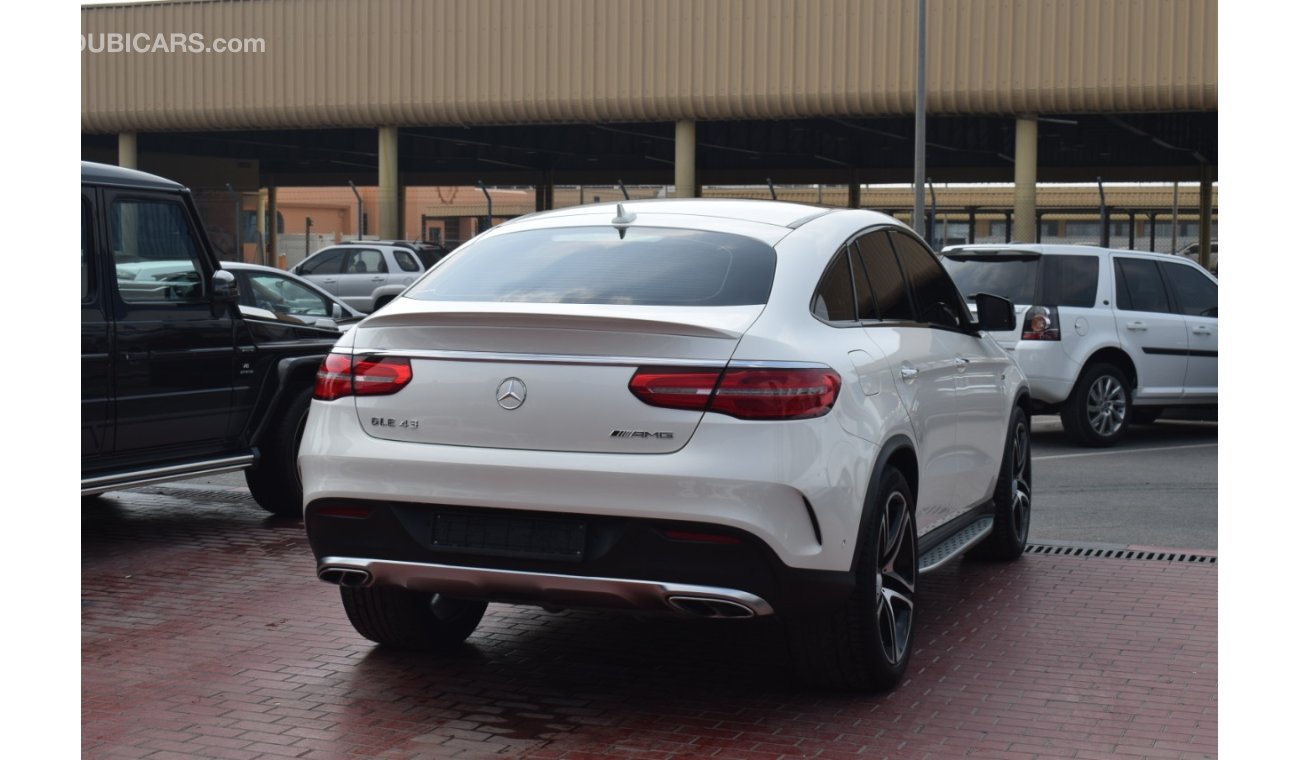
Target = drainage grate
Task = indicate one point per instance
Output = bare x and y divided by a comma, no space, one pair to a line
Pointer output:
1086,551
209,493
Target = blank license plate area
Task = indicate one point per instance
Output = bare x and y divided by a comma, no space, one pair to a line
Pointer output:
510,536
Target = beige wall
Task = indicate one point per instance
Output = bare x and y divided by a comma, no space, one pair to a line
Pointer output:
406,62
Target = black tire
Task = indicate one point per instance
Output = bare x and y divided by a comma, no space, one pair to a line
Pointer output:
1145,415
1099,410
1012,497
403,619
866,643
274,481
381,302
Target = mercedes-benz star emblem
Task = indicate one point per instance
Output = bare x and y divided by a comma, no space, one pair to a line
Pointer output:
511,393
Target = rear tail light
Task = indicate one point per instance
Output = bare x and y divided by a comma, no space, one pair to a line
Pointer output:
342,375
1041,323
744,392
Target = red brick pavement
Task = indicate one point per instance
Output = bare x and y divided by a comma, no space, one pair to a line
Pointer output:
206,634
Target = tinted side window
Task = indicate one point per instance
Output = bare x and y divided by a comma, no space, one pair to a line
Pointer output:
1138,286
329,262
1070,280
282,296
888,288
154,252
86,272
833,300
1197,295
937,299
406,261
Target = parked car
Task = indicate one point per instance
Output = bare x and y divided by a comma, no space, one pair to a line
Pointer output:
265,293
280,296
1192,251
714,409
1106,337
176,382
368,274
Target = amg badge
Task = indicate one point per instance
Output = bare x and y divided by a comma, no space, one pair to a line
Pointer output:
639,434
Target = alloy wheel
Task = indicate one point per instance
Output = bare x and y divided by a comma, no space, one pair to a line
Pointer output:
896,577
1107,405
1021,482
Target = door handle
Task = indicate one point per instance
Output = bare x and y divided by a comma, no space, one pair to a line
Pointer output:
962,363
1202,331
909,373
1137,326
376,279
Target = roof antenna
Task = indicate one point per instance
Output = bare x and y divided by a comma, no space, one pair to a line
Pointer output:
622,220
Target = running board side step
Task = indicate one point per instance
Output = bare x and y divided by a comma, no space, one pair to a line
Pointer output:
136,478
956,545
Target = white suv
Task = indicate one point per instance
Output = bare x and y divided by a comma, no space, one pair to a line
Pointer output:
1106,337
714,409
368,274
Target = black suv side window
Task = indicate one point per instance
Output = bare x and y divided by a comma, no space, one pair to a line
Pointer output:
833,299
326,262
87,276
1138,286
154,252
1197,295
936,298
884,277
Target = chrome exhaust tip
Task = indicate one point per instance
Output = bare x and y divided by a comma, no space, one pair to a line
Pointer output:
347,577
705,607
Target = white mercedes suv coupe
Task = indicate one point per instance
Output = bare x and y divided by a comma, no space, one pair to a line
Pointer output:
708,408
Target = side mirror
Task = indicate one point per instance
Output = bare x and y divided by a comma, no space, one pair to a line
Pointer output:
996,314
225,291
336,312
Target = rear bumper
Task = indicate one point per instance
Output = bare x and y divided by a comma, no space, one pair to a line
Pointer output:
646,565
631,564
549,588
797,490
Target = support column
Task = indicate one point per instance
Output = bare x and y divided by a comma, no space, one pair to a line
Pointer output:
262,257
127,156
855,192
272,229
684,161
545,194
1207,213
389,222
1026,196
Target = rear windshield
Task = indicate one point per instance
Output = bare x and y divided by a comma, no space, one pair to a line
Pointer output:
1015,278
645,266
1057,280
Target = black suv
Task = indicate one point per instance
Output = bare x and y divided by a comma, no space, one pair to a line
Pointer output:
175,382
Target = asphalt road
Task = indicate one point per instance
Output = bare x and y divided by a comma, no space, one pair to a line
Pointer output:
1158,488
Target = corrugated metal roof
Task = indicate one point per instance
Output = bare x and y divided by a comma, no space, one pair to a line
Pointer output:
356,63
